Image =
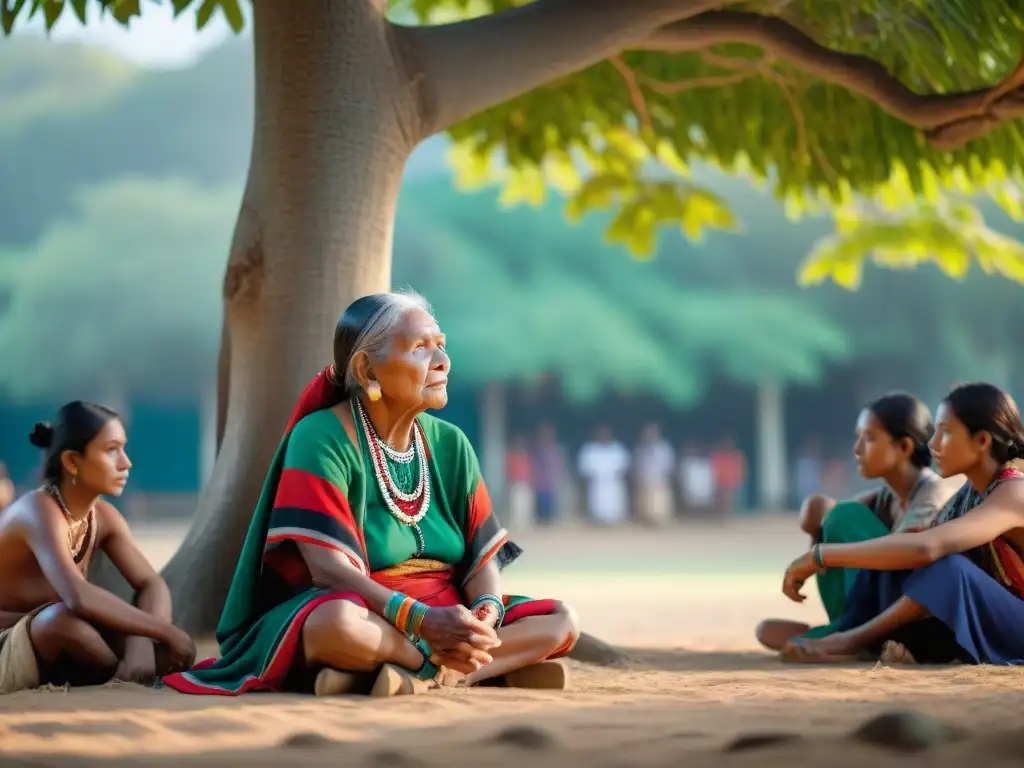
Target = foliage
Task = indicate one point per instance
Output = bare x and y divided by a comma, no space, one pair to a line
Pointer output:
731,303
819,144
701,305
623,134
122,294
594,320
901,230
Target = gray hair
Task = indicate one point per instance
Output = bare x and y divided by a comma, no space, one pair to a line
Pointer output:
378,333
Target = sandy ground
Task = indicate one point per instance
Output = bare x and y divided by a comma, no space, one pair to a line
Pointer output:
683,602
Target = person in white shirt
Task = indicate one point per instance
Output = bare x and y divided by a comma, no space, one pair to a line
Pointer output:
696,479
653,466
603,464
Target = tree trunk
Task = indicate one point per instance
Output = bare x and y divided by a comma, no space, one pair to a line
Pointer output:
771,446
334,124
223,386
209,407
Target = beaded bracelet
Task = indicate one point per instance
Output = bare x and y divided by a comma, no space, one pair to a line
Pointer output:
818,561
494,600
405,613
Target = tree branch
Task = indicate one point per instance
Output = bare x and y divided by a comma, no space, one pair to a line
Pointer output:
948,120
636,93
465,67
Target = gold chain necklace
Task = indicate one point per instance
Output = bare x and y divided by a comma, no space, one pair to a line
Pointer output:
81,533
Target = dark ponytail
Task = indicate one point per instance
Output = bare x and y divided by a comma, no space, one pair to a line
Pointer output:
904,416
984,407
76,425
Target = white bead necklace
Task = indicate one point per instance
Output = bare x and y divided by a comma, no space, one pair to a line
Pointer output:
399,503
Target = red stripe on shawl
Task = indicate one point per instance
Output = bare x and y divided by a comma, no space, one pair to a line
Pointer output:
529,608
480,509
320,393
538,608
1012,567
487,556
289,565
299,489
1009,568
274,676
564,650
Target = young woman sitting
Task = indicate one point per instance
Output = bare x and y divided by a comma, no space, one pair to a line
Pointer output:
892,446
954,592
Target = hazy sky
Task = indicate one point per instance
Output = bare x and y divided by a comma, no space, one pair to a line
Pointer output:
154,39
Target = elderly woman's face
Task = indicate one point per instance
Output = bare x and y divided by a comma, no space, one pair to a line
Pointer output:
415,372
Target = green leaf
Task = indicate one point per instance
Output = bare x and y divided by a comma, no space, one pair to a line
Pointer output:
52,10
79,7
233,13
9,11
125,10
180,6
205,12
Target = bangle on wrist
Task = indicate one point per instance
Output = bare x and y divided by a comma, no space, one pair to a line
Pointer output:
405,613
818,560
494,600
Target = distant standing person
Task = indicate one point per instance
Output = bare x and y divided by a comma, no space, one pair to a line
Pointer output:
6,487
730,467
519,476
696,480
653,465
548,475
603,464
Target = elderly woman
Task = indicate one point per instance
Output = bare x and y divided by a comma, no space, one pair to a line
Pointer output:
373,558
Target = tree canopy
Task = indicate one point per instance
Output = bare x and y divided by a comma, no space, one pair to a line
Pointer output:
881,111
704,308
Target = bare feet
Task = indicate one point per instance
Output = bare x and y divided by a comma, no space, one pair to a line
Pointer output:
395,681
390,680
833,649
545,676
896,653
332,682
773,634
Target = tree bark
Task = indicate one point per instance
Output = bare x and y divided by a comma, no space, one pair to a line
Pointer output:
949,120
223,384
335,121
468,66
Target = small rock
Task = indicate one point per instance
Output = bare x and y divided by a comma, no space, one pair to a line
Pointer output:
757,740
528,737
906,731
308,741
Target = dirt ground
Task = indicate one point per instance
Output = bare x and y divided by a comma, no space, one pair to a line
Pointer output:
682,601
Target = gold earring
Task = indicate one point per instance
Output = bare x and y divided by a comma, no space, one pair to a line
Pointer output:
373,391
